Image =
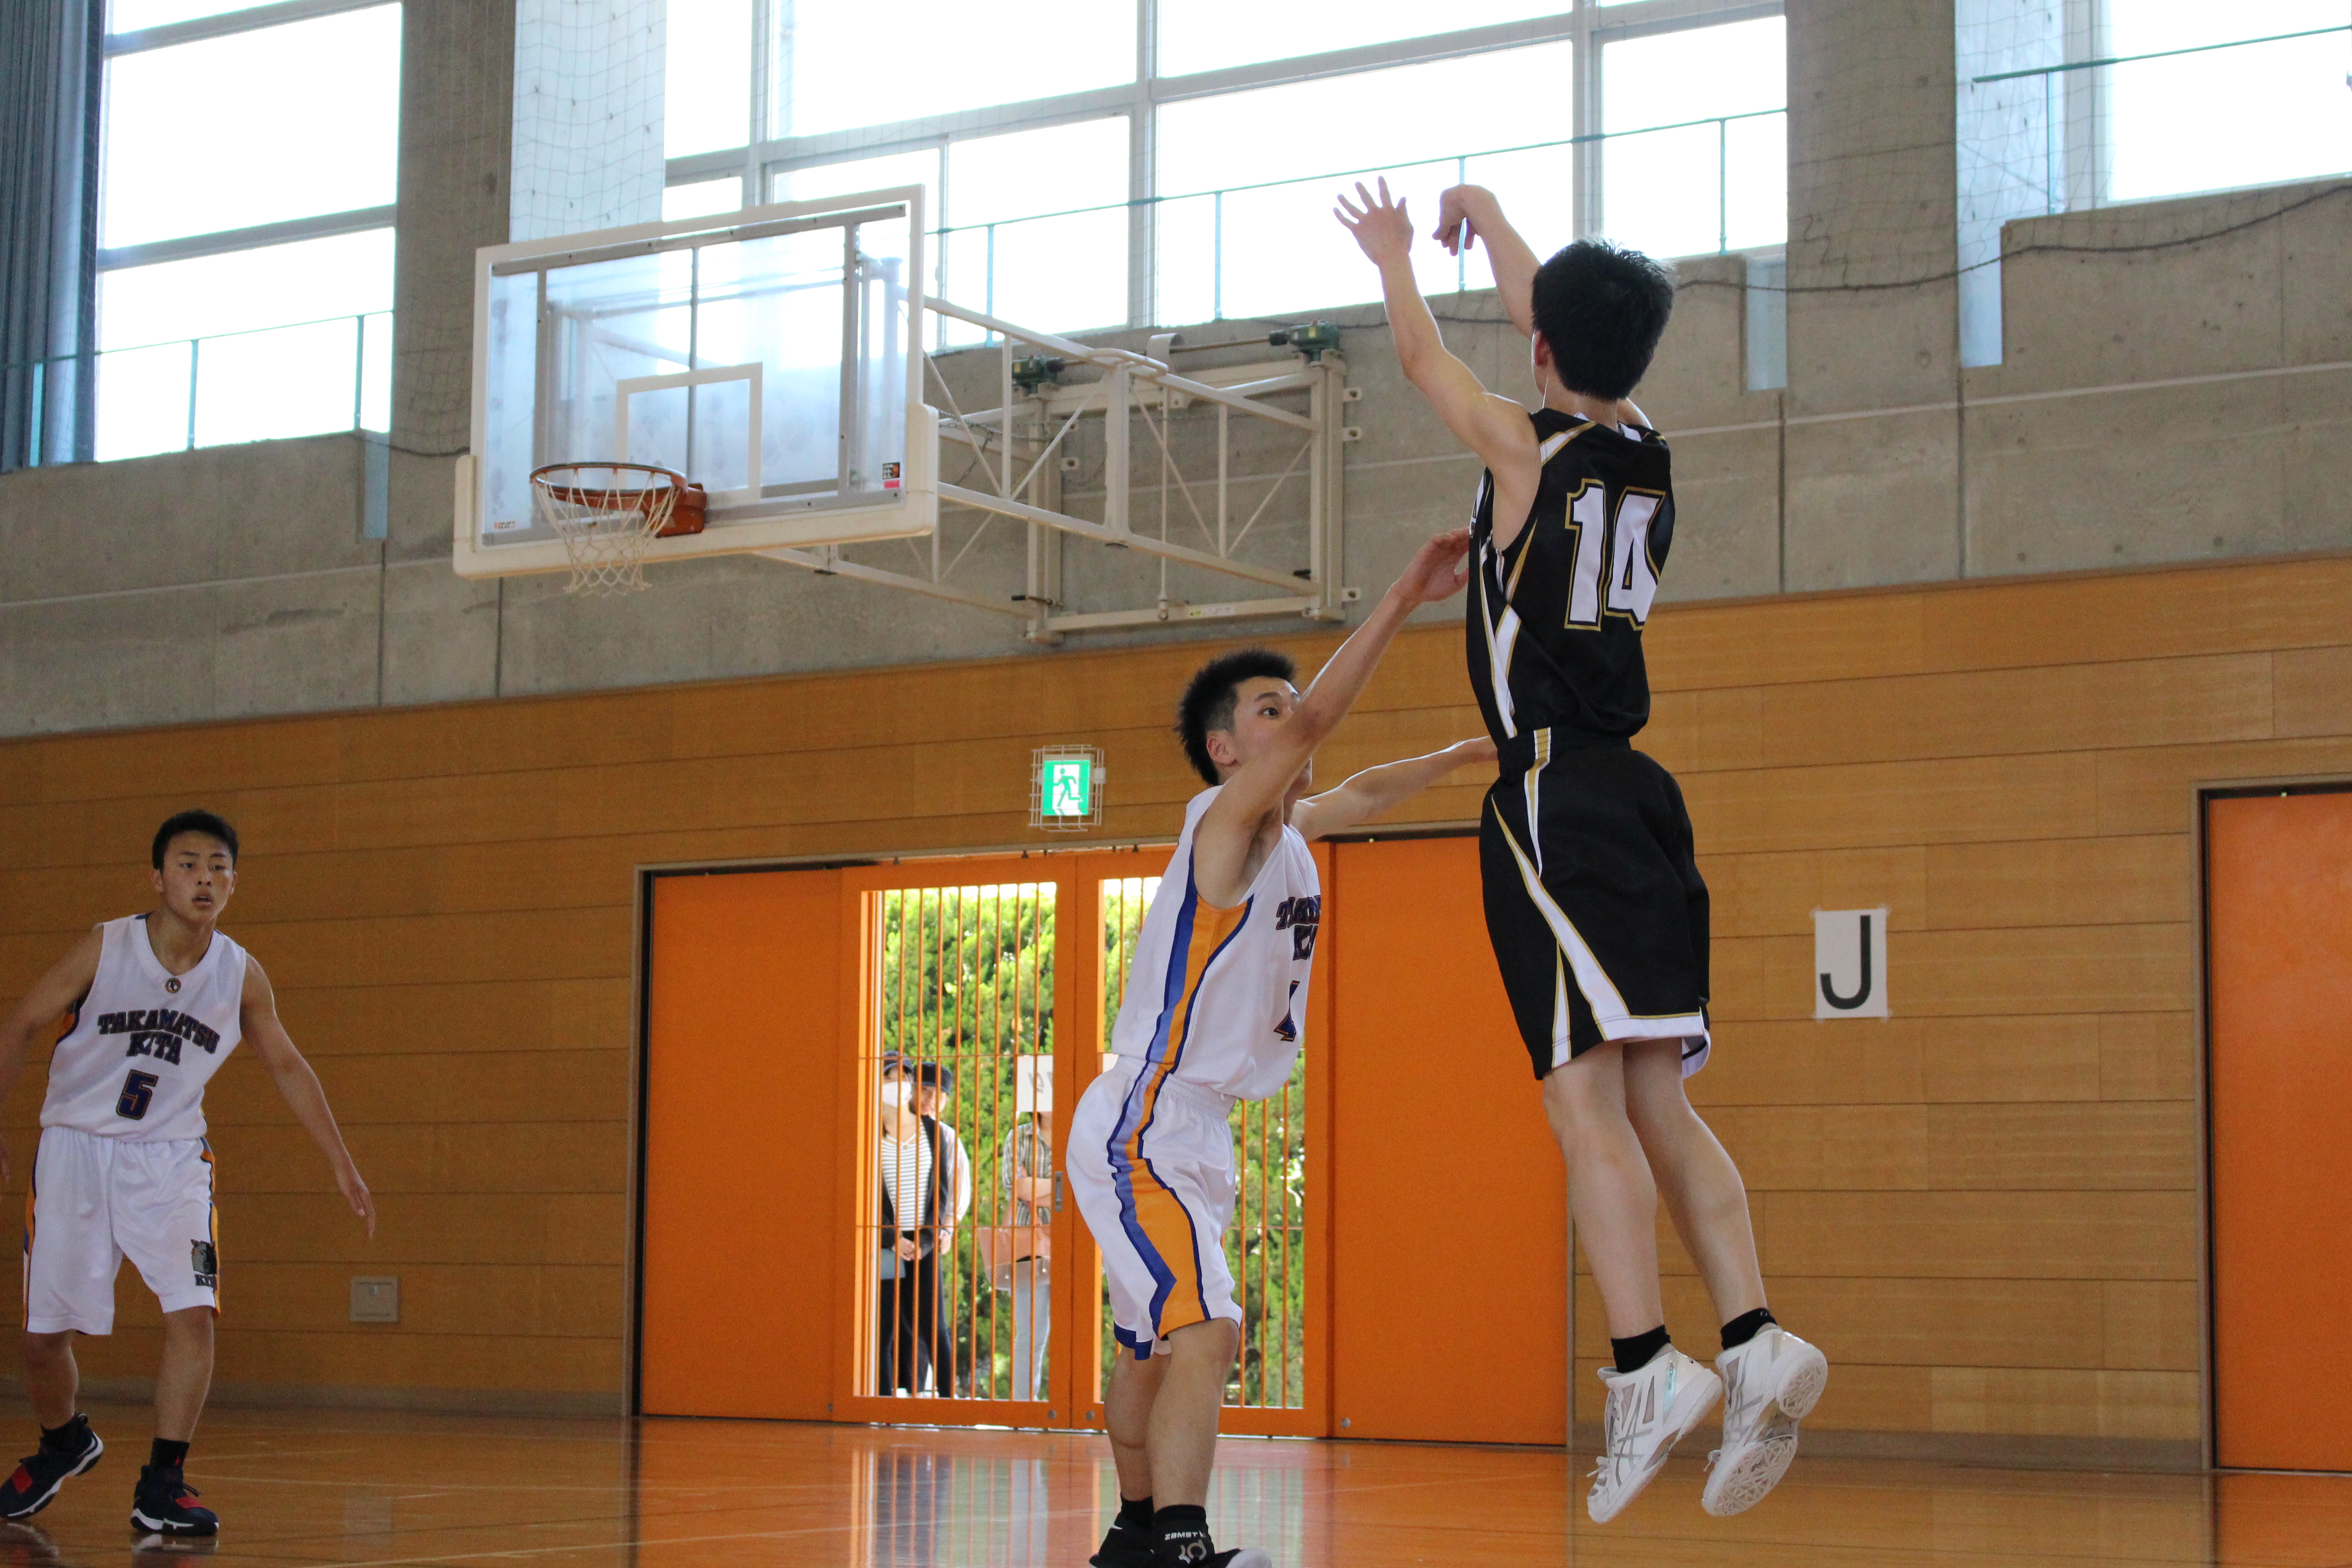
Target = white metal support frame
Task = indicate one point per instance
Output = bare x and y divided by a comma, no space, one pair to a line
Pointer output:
1019,442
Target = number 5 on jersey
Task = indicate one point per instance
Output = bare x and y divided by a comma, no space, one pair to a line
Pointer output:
138,1093
1633,576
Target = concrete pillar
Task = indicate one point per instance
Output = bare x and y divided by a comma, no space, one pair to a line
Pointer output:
1872,304
440,632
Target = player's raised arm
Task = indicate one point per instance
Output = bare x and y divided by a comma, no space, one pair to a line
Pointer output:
1495,427
1468,214
1367,794
1253,797
53,996
299,1085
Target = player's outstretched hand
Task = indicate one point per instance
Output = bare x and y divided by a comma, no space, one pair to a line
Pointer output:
355,1193
1379,223
1455,229
1438,569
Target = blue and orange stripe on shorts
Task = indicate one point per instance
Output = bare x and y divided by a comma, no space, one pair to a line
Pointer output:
1155,1221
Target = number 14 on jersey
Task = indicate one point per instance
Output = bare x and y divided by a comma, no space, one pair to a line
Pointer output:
1633,575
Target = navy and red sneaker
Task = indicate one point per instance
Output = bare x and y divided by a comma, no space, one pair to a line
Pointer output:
167,1504
72,1449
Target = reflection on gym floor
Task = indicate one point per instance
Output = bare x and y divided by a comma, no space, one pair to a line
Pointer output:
377,1489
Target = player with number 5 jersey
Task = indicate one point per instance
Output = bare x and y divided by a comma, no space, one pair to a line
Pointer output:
152,1006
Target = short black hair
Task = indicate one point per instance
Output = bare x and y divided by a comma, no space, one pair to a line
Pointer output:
1603,308
181,822
1209,698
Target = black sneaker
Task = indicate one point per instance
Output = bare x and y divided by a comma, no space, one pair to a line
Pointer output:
75,1449
167,1504
1124,1548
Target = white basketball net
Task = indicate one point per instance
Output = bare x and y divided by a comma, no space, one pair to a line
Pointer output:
606,514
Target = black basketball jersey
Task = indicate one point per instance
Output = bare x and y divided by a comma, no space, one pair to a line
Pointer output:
1555,619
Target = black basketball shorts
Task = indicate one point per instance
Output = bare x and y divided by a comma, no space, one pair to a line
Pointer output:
1594,902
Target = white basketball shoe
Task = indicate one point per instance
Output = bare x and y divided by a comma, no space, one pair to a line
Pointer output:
1648,1412
1772,1383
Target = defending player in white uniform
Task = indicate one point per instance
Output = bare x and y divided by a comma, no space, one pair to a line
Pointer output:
153,1003
1213,1006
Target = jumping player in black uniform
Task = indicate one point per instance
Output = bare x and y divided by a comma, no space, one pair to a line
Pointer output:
1594,902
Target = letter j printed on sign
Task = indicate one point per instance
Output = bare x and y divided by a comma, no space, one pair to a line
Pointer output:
1850,963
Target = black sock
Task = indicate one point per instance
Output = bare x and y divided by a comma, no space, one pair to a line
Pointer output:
1635,1354
1135,1514
1177,1528
62,1439
166,1455
1746,1327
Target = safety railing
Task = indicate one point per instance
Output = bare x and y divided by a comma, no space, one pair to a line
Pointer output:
2055,112
1244,250
302,378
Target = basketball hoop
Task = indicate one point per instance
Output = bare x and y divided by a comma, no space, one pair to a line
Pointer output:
608,513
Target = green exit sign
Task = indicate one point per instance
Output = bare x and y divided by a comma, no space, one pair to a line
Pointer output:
1068,787
1065,789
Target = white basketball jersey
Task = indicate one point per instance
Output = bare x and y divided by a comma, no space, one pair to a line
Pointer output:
144,1042
1216,996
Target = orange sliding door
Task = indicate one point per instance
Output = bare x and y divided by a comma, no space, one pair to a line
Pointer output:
1449,1222
2279,957
745,1067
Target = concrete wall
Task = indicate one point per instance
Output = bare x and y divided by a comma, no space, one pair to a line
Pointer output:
1883,462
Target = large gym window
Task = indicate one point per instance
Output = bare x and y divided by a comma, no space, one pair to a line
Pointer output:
1104,163
2068,105
245,238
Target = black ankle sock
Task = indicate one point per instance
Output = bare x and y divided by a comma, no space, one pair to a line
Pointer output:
58,1439
1135,1514
1633,1354
1746,1327
166,1455
1176,1528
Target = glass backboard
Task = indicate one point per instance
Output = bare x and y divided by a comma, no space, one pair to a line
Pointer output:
772,356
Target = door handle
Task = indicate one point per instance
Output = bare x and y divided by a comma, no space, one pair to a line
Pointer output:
1058,1192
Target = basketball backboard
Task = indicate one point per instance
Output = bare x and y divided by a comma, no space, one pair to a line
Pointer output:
772,356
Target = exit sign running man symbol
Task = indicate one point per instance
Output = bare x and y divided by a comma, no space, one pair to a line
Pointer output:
1069,786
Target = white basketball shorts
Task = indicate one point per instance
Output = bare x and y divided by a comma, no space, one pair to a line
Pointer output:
1152,1165
96,1201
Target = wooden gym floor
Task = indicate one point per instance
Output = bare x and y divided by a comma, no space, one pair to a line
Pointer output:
367,1490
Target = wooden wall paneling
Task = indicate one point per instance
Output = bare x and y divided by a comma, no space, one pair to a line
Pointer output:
2165,613
2180,701
2141,878
1903,1060
2147,1056
2311,692
582,1156
507,1014
1895,804
1981,1235
530,1300
2150,790
1773,642
2066,1402
406,868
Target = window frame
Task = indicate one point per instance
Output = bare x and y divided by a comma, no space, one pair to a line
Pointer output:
1591,25
104,259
